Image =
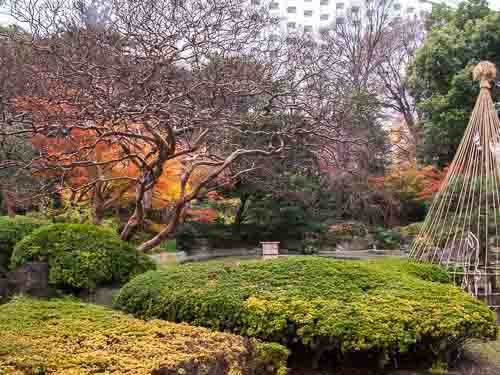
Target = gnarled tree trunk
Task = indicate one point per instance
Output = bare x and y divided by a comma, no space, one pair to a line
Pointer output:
175,217
240,214
9,203
137,218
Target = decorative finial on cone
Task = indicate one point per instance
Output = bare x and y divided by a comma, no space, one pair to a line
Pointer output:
485,72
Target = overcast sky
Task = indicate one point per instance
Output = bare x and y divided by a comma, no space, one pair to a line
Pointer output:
495,4
5,19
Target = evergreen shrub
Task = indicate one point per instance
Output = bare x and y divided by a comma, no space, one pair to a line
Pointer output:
81,256
412,229
223,236
390,307
12,230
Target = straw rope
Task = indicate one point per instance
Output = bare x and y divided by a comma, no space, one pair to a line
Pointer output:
461,229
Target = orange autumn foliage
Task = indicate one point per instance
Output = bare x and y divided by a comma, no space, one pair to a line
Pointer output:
433,178
423,182
205,215
100,159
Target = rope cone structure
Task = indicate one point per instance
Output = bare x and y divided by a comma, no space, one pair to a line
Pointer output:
461,230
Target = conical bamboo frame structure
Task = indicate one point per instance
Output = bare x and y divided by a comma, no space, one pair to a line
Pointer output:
461,230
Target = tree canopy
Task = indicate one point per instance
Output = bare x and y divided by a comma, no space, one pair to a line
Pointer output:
441,72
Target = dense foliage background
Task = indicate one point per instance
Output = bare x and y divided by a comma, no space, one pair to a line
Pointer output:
441,74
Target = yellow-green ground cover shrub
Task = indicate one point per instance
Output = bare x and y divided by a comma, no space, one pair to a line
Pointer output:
67,337
81,255
331,308
12,230
412,229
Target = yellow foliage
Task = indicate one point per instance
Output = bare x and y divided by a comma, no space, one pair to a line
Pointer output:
156,228
422,182
66,337
404,180
403,145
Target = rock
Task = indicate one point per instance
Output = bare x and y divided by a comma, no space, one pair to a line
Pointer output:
31,278
4,260
101,296
3,272
354,244
4,285
4,289
350,228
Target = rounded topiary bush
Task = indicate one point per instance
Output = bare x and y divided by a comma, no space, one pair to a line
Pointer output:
12,230
81,255
327,307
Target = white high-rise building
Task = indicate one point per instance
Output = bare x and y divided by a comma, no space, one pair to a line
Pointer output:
313,15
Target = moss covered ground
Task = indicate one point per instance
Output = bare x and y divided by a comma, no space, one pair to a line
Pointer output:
67,337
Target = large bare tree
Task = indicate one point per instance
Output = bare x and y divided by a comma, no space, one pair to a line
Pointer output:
375,49
399,47
125,85
155,81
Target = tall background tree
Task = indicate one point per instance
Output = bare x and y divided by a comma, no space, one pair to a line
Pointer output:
18,187
441,74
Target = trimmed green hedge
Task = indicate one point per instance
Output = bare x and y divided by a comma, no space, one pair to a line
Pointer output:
385,306
69,337
224,236
12,230
220,235
81,255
